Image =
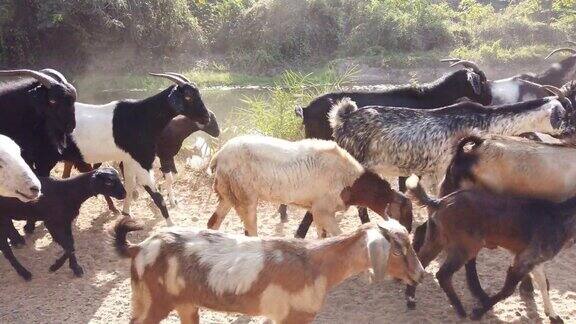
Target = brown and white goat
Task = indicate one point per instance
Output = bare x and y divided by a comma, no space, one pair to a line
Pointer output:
466,221
285,280
313,174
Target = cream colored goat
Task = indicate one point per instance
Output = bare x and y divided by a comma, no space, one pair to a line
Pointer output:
313,174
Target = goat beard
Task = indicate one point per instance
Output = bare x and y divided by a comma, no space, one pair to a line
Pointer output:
58,138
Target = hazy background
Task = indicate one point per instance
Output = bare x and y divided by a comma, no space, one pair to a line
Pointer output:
106,47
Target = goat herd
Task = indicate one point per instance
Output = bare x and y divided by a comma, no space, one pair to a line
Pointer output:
498,190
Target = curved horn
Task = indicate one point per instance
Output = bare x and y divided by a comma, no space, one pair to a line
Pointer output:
552,89
557,92
45,79
174,79
563,49
180,76
450,60
467,64
55,74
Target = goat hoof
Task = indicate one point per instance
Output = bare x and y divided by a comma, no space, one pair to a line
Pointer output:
25,274
556,320
477,314
78,271
411,304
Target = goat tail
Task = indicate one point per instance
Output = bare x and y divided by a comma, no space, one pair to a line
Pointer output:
417,193
341,111
124,248
462,161
213,162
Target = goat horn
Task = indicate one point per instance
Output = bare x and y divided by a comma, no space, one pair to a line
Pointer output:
181,76
450,60
467,64
563,49
55,74
45,79
175,79
557,92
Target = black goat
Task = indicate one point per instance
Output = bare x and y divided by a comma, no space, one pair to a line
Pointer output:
57,208
37,115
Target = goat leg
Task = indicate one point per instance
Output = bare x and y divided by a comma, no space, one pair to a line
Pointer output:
16,240
111,206
363,214
159,201
59,262
9,255
282,209
453,263
515,273
73,264
474,283
304,225
526,286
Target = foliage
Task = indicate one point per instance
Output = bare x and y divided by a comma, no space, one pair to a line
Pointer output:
274,115
266,36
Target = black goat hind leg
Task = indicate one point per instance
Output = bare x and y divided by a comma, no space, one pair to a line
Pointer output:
304,225
159,202
9,255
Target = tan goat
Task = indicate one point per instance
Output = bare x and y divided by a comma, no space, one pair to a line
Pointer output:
285,280
313,174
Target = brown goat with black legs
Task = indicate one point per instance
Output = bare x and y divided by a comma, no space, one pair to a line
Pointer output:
57,208
464,222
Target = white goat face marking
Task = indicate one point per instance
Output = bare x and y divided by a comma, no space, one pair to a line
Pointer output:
234,261
16,177
277,302
174,283
148,255
505,91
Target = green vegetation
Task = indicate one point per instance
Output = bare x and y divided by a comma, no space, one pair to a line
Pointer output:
263,37
274,116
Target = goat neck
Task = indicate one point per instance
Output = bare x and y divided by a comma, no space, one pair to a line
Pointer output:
157,110
342,256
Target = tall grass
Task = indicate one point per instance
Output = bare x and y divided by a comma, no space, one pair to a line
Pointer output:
273,114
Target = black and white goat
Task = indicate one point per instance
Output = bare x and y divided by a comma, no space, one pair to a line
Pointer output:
57,208
127,131
37,114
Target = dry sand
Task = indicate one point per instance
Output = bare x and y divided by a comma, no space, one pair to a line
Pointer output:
103,294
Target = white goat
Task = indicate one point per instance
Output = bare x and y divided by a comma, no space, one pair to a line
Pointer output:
283,279
313,174
16,178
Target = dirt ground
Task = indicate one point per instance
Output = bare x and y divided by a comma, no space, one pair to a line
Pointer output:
103,294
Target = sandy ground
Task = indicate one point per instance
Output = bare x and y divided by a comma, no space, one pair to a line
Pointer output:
103,294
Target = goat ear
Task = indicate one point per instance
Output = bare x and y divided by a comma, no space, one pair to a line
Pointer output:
378,250
299,111
474,80
175,100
